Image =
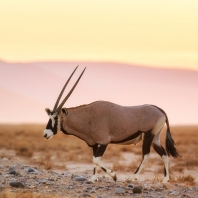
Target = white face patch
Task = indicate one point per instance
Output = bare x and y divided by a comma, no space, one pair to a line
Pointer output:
48,133
52,119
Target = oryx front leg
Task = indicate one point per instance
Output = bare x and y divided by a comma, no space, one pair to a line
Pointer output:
98,151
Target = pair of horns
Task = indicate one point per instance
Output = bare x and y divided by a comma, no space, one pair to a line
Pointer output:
61,93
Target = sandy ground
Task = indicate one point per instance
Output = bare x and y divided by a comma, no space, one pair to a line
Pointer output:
59,161
62,183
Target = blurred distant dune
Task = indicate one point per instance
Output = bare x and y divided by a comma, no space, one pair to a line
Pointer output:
26,89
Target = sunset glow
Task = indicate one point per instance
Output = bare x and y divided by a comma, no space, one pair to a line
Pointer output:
153,33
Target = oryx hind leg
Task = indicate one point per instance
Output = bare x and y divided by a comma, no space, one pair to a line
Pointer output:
162,152
98,151
147,140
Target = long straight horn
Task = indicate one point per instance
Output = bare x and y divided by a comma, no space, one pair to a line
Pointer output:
65,99
61,93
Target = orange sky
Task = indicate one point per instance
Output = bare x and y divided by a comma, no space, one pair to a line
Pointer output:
154,32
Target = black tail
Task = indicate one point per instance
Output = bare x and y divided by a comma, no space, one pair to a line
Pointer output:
170,144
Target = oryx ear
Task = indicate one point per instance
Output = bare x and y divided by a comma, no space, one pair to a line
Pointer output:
48,111
64,110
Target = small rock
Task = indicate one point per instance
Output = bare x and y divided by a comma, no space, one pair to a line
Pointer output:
85,195
2,188
137,189
4,181
85,190
12,172
32,170
93,191
159,189
89,182
80,178
31,187
17,184
186,195
174,193
4,159
120,190
130,186
44,182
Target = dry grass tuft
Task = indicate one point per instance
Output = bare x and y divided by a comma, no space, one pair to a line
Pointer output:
9,194
178,168
184,179
23,150
118,166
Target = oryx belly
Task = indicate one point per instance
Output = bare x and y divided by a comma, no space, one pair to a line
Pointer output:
132,141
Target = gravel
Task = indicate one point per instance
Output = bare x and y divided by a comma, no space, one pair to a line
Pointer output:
62,183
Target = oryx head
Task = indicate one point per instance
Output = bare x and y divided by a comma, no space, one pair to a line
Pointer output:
53,125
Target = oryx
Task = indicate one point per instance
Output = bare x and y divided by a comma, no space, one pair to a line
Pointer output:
101,123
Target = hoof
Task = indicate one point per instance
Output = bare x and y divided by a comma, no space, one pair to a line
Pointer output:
93,179
165,180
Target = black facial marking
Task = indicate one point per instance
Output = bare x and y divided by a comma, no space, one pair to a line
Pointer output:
55,125
49,125
135,135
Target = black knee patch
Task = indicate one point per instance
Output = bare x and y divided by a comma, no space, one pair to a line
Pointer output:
159,149
98,150
148,138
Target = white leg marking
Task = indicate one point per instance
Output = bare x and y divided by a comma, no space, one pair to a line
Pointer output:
96,161
156,141
94,176
165,159
145,159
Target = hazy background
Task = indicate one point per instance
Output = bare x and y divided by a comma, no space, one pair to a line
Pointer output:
136,52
